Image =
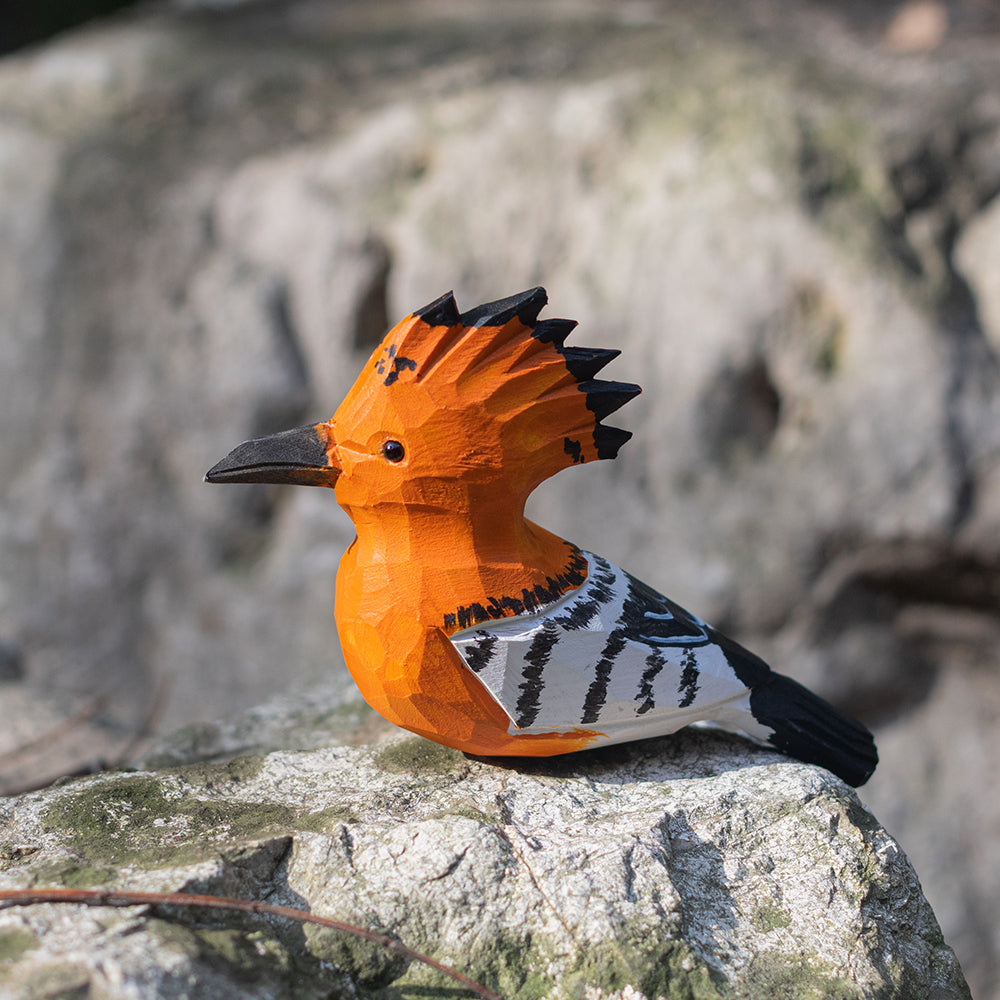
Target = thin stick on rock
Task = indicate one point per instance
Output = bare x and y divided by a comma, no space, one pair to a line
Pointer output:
112,897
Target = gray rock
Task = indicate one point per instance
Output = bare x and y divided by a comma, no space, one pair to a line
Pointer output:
975,255
693,866
204,242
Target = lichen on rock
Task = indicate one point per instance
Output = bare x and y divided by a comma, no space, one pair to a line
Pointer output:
694,866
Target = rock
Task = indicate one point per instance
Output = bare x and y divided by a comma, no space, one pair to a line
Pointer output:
919,25
691,866
265,233
11,664
210,214
46,735
977,249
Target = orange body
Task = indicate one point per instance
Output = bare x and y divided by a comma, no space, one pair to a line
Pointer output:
403,663
484,414
451,424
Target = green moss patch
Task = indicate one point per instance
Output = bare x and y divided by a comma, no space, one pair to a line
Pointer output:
770,917
469,811
72,874
655,965
230,772
324,820
249,955
131,820
782,977
420,757
14,943
508,964
64,981
516,966
368,963
111,811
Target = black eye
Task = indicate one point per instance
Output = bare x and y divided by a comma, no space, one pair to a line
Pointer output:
393,451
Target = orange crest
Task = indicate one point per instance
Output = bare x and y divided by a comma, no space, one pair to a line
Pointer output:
490,396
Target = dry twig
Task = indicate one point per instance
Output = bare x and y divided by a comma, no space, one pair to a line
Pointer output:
112,897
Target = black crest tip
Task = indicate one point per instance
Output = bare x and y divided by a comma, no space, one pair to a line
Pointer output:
525,306
585,362
608,440
553,331
442,311
604,398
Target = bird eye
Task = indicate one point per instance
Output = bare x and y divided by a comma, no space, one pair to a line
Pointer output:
393,451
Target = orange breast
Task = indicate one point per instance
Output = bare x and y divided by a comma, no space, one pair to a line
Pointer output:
390,622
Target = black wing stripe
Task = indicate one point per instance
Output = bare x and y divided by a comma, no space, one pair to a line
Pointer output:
688,686
597,693
654,664
599,589
532,682
479,655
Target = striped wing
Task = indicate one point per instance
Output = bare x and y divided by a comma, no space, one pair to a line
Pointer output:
614,656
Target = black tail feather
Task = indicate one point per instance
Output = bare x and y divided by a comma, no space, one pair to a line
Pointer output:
812,730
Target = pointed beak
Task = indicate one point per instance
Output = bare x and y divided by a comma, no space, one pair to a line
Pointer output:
298,456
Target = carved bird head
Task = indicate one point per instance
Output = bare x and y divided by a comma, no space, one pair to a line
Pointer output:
452,409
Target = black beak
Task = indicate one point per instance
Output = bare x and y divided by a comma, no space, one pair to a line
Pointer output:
298,456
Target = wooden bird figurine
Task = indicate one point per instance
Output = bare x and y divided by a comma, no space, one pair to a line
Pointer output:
463,621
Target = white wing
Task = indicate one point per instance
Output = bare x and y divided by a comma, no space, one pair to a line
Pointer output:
614,656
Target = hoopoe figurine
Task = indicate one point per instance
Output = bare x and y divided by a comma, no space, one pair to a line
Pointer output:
463,621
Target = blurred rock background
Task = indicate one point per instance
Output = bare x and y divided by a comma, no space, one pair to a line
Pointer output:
785,212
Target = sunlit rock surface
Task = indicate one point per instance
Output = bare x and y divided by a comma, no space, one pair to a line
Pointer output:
695,866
